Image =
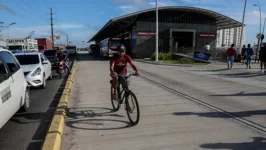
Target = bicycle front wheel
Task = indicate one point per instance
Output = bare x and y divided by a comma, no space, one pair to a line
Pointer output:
115,103
132,108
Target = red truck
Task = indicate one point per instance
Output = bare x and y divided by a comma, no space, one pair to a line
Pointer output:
44,44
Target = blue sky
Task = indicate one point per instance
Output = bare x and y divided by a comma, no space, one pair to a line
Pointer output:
81,19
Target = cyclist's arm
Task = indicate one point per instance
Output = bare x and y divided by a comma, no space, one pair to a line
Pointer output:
132,65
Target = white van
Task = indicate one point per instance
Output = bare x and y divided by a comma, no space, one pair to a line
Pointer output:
14,91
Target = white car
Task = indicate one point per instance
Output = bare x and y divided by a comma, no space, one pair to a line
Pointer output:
36,67
14,89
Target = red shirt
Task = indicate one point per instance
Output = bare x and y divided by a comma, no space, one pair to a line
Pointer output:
121,63
231,52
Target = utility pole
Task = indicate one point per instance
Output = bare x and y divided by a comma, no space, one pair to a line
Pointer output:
243,21
52,26
157,33
67,40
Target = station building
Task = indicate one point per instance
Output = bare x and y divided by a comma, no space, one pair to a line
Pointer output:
181,29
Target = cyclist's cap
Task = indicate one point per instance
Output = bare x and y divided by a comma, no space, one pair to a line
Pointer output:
121,48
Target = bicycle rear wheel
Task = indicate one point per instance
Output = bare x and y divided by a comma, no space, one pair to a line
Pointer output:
115,103
132,106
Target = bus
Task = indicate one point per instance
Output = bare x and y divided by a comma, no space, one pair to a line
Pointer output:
108,46
71,49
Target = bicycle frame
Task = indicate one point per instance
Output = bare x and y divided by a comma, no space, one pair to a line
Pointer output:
125,90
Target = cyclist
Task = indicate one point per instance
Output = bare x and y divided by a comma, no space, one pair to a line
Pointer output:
62,57
118,65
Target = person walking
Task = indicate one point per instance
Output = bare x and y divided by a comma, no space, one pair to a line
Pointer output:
262,57
243,54
249,54
231,53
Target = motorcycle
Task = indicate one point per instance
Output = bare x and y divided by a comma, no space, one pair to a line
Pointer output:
61,68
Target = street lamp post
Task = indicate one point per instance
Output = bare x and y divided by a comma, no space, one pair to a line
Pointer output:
8,27
157,32
259,46
243,20
31,33
263,26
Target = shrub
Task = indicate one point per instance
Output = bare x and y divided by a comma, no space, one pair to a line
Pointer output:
162,56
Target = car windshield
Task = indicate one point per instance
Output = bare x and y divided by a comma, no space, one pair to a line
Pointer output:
28,59
114,43
49,52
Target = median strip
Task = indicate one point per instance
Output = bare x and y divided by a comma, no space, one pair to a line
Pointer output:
54,135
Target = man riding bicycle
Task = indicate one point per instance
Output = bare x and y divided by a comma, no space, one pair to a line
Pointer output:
62,57
118,65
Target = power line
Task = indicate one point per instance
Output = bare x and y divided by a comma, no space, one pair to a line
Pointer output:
20,14
40,6
31,8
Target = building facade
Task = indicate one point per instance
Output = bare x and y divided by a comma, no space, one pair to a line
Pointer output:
226,37
181,30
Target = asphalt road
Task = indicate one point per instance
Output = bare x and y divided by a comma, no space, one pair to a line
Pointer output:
28,130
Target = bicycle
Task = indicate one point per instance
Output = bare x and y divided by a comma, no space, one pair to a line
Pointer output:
125,94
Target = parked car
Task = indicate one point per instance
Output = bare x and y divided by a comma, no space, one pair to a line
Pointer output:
13,87
51,56
36,67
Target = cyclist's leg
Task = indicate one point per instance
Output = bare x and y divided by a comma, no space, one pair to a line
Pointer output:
115,84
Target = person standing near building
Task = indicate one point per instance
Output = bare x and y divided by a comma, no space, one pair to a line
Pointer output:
231,53
243,54
207,47
262,58
249,54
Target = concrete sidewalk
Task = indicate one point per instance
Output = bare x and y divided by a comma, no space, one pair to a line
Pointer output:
92,125
243,96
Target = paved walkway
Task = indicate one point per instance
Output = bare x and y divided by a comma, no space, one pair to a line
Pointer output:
92,125
243,96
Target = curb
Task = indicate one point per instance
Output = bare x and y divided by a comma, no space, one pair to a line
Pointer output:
54,135
155,63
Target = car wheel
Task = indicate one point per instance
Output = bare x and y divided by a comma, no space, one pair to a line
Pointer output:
44,83
27,101
51,76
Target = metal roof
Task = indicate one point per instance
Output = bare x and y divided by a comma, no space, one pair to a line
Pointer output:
221,21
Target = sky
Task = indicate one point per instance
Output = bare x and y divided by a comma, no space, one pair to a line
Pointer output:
81,19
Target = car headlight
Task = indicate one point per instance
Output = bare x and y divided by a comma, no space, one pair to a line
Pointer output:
36,72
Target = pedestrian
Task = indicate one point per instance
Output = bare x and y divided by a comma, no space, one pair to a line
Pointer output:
207,47
243,54
249,54
231,53
262,58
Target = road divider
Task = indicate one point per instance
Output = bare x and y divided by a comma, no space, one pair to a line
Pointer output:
54,135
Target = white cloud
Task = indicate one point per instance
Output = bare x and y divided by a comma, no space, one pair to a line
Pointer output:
251,18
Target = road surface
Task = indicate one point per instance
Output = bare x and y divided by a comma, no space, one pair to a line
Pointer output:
28,130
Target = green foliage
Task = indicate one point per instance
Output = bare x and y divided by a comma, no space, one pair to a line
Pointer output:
162,56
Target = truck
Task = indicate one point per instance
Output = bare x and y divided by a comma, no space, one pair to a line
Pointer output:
22,44
44,44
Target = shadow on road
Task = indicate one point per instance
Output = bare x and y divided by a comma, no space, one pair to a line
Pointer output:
93,118
219,115
258,143
39,136
242,94
45,118
244,74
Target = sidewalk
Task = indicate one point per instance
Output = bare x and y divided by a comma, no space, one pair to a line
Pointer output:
243,96
92,125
